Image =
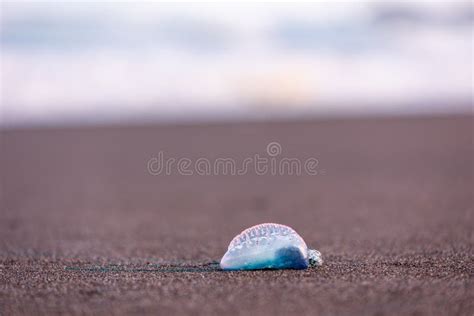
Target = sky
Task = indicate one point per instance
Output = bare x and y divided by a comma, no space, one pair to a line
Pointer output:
92,62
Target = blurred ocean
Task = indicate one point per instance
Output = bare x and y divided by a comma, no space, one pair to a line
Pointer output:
86,62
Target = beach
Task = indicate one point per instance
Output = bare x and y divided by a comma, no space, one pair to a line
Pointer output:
86,228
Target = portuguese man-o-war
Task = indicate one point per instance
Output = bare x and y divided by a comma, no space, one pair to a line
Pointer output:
269,246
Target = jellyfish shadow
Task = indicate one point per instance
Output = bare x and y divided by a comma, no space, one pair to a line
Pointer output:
153,268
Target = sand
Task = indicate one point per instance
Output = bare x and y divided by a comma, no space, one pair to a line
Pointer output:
85,229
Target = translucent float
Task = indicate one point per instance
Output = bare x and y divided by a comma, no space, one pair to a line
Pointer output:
269,246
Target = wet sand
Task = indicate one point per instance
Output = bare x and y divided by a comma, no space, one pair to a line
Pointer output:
85,229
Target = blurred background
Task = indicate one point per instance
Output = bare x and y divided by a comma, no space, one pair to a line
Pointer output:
120,62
